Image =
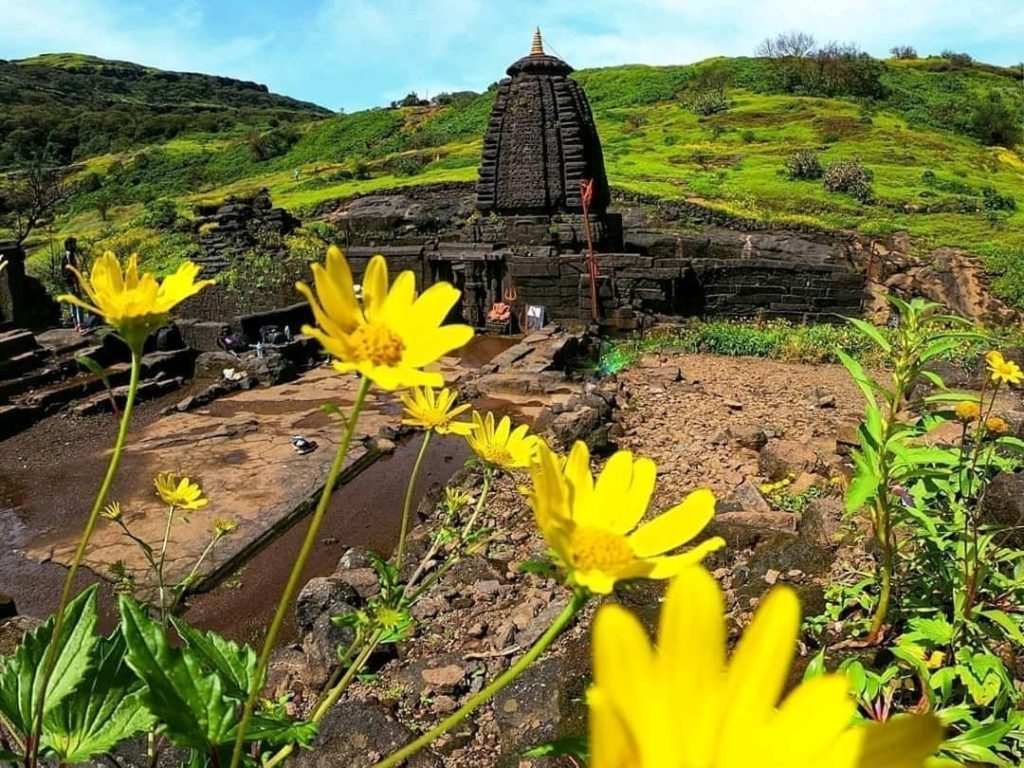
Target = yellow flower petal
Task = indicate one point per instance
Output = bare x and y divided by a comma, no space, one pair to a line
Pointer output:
676,526
761,664
903,742
691,642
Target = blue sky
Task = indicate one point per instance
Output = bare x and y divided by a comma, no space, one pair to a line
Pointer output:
361,53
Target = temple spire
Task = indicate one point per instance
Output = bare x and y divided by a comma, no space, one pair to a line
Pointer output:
537,49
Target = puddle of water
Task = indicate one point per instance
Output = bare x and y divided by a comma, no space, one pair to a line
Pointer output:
481,349
365,512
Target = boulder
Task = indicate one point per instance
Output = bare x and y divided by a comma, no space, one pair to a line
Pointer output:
361,733
780,459
1004,507
322,598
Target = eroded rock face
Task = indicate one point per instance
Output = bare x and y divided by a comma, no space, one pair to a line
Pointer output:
1004,507
361,733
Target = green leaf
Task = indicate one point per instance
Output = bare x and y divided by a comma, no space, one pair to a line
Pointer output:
571,746
21,675
103,711
860,378
280,731
975,744
872,333
1009,626
189,702
235,666
937,631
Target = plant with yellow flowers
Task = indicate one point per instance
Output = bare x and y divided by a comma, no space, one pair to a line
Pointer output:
593,528
682,704
947,578
181,495
134,306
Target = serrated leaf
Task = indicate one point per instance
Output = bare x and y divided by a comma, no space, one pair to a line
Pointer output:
236,666
104,710
190,703
21,675
281,732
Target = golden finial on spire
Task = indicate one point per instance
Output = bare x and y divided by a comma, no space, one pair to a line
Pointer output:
538,45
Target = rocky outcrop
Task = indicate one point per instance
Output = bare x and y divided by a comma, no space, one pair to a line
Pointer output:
949,276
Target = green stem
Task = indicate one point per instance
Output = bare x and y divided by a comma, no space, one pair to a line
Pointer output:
160,566
182,586
407,508
884,597
579,599
296,575
69,581
488,476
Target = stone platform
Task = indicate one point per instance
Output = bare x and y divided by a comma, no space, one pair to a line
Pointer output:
238,448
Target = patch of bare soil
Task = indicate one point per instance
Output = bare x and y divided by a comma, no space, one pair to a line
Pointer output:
725,423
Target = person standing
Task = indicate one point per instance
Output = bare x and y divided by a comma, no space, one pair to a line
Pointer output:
69,263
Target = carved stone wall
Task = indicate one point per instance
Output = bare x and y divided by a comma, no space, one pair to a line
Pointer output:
541,141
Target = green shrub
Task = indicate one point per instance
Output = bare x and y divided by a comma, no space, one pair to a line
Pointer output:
850,177
159,214
995,122
804,164
709,102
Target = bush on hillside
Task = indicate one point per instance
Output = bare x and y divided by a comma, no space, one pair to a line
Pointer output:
958,60
804,164
903,52
834,69
851,178
994,200
159,214
709,103
995,122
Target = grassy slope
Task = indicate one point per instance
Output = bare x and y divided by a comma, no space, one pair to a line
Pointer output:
654,144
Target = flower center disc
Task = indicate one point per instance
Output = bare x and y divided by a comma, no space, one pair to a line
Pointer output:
377,343
597,549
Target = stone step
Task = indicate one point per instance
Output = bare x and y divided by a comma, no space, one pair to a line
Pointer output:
38,378
23,363
149,389
16,342
52,398
15,418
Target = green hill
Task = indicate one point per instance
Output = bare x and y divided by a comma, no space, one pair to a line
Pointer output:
84,106
925,129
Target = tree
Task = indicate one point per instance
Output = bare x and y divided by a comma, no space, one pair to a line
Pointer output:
786,45
995,121
903,52
30,196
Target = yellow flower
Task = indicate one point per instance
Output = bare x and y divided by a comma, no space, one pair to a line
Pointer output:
134,306
112,511
1003,370
680,705
590,525
435,409
389,335
997,426
502,446
182,493
456,499
967,411
222,526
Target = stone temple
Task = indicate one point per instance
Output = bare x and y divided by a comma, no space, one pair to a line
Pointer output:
518,236
541,142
